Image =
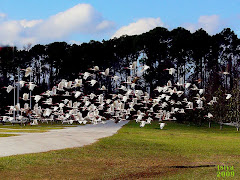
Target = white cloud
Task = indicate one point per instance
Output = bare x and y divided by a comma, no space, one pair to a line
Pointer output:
74,42
80,19
9,32
2,15
141,26
211,24
28,24
105,25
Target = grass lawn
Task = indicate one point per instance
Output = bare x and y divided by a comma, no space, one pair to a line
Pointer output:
42,127
136,153
6,135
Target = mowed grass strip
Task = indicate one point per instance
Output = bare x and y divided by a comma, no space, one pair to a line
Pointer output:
42,127
7,135
22,130
136,153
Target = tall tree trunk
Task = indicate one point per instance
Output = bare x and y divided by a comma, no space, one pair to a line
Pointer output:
221,126
51,76
184,72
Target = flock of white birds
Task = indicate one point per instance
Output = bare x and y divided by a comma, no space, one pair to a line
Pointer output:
66,102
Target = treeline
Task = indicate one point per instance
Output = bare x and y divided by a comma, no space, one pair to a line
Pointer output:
197,57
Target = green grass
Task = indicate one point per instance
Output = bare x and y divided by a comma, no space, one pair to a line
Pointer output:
7,135
22,130
136,153
43,127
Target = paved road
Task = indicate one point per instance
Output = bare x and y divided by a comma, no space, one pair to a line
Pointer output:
57,139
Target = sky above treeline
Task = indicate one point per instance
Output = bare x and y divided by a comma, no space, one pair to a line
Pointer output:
24,22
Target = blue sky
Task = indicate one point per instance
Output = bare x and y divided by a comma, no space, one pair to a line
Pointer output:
76,21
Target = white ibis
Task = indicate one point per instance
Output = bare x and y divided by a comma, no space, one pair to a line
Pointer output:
115,78
158,88
31,86
9,88
78,83
17,107
61,105
228,96
95,68
169,84
179,93
54,91
106,72
28,71
142,124
108,101
26,106
187,85
209,115
47,112
103,88
145,67
66,94
68,85
60,86
92,82
201,91
200,104
77,94
181,111
86,75
25,97
189,105
48,101
92,95
194,88
171,71
21,83
162,125
123,88
210,102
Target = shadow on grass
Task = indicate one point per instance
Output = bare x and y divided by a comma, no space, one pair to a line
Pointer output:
200,166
